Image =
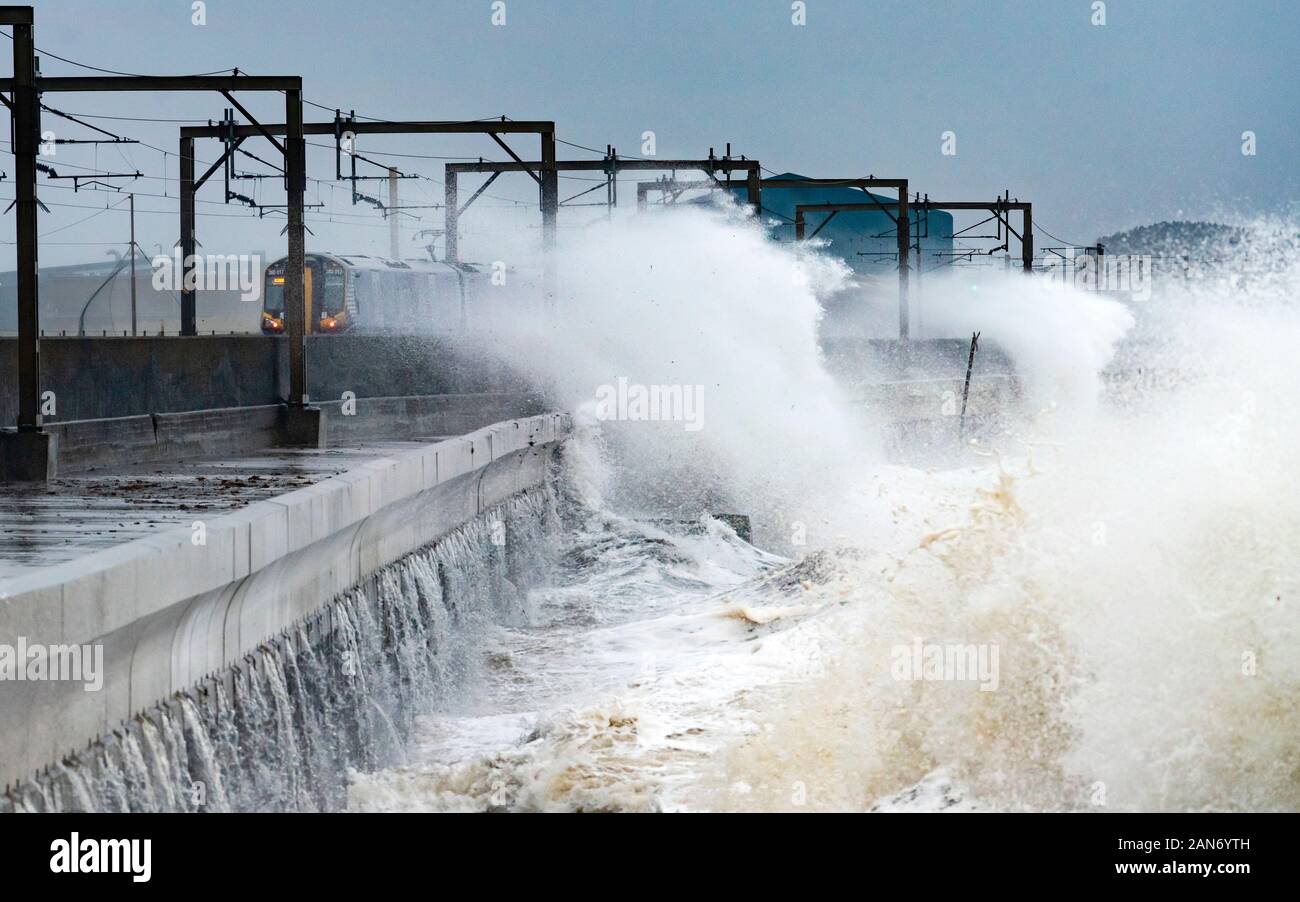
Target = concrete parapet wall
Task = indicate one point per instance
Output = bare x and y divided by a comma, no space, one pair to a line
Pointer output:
168,611
857,360
98,378
381,418
165,436
921,419
931,399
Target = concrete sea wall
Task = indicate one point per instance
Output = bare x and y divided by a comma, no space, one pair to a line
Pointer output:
171,614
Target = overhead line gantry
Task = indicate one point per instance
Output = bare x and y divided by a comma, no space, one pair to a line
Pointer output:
31,453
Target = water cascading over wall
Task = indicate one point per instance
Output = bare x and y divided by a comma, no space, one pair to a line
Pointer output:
340,689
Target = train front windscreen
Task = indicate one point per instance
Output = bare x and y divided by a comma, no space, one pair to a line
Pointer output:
325,291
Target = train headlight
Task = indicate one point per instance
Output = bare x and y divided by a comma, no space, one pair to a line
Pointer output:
334,322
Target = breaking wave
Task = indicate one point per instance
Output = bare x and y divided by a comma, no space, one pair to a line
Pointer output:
1124,546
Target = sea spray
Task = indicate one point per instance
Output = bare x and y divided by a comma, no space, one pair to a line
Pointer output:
1127,543
699,303
1132,553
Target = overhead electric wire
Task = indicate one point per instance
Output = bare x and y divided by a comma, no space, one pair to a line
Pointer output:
140,118
234,70
237,71
1039,228
80,221
63,59
315,219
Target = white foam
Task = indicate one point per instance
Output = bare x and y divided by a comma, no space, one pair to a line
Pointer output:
1131,555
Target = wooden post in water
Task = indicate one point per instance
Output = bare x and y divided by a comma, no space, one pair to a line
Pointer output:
965,392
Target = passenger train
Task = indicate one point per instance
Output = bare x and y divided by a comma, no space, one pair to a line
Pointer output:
357,293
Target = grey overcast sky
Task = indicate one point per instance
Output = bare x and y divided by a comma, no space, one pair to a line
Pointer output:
1104,127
